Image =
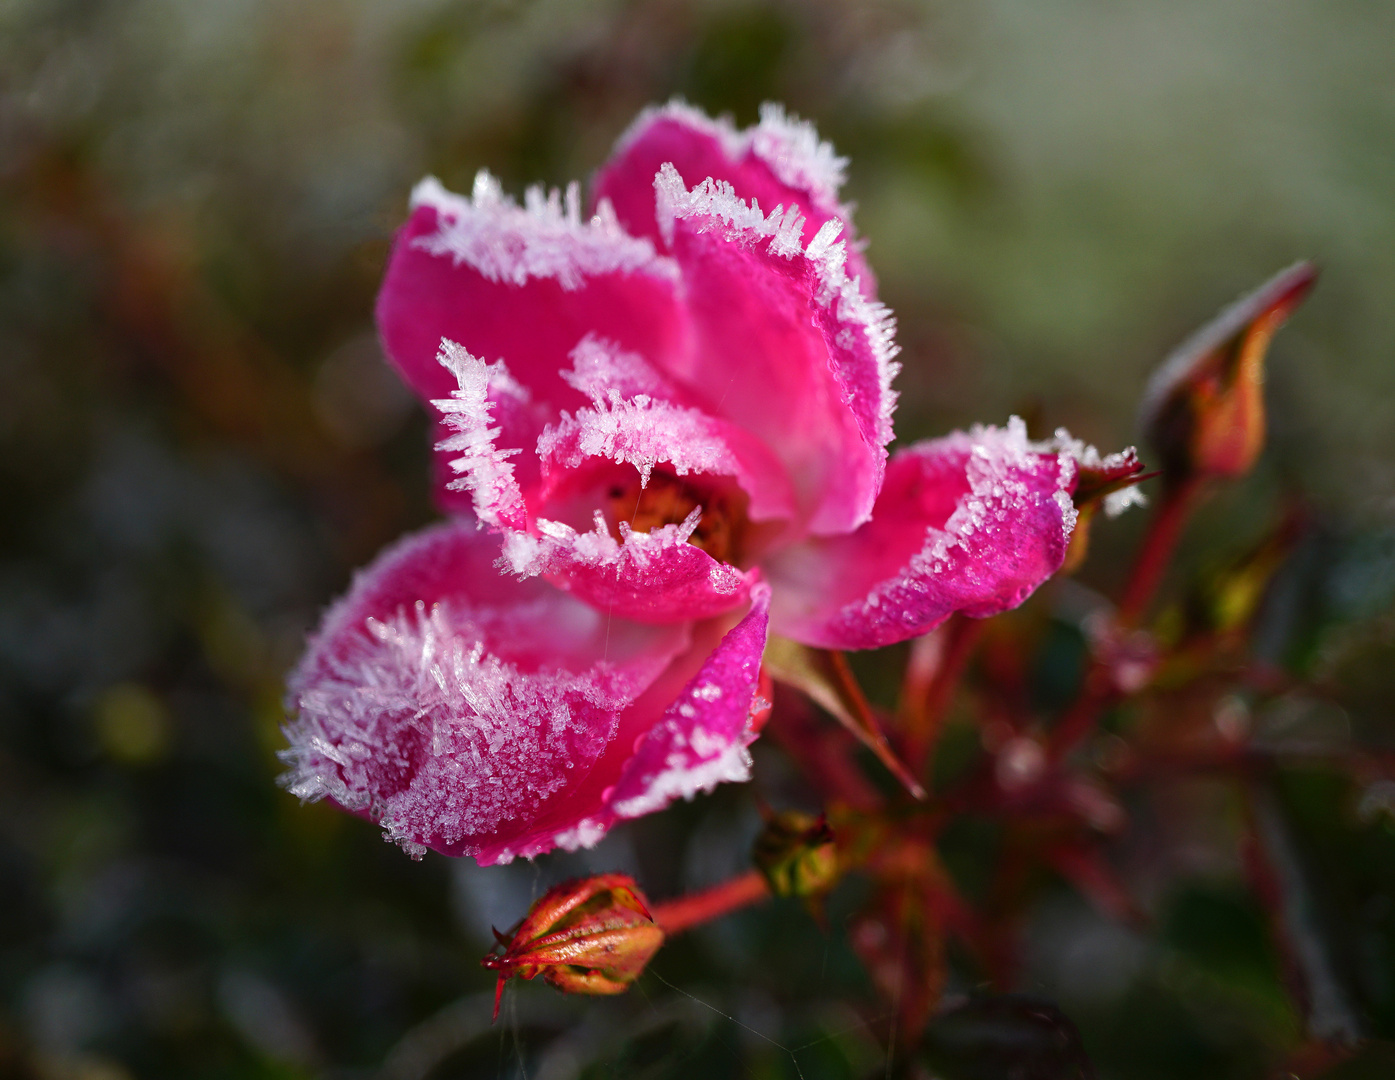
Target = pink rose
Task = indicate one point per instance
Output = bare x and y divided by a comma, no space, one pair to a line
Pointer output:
662,433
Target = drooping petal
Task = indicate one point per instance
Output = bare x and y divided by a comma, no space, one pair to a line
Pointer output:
970,522
779,162
455,705
521,284
685,734
702,739
651,577
785,345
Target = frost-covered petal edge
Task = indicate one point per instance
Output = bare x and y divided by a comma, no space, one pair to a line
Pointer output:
544,238
714,204
973,522
702,739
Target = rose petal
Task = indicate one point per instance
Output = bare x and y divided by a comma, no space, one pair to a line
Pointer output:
779,162
662,751
701,740
970,522
630,426
653,577
786,346
454,705
485,468
522,284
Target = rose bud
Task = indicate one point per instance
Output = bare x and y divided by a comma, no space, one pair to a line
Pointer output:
1204,408
797,855
588,936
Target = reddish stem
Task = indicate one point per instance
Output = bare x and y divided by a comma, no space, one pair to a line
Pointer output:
675,916
821,753
871,733
925,717
1178,501
1098,690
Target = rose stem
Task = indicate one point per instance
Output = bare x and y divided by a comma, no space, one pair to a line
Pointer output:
925,714
870,730
675,916
1178,502
1097,688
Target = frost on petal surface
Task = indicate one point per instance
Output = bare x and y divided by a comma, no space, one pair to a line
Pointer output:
653,577
454,705
702,739
970,522
781,161
520,283
600,367
685,734
475,452
785,344
643,432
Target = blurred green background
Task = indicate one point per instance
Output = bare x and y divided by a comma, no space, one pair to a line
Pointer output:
199,441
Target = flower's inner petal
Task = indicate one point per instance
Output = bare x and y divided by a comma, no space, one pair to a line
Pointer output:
680,503
971,522
656,576
785,347
453,704
639,416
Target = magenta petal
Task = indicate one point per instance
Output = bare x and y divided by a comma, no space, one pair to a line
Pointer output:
685,734
779,162
970,522
633,421
480,452
701,740
653,577
786,346
521,284
456,706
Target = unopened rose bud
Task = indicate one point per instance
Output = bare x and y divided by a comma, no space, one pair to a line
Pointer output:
797,855
1204,408
590,936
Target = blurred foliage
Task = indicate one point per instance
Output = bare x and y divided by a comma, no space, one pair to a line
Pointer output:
199,441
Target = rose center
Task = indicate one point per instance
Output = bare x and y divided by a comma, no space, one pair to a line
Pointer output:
668,500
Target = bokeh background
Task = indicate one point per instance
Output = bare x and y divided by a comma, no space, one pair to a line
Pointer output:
199,441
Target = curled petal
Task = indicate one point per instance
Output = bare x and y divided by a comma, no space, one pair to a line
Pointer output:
779,162
653,577
685,734
970,522
456,706
638,432
787,347
520,283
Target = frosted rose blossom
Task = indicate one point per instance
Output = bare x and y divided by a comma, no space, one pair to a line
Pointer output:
661,435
